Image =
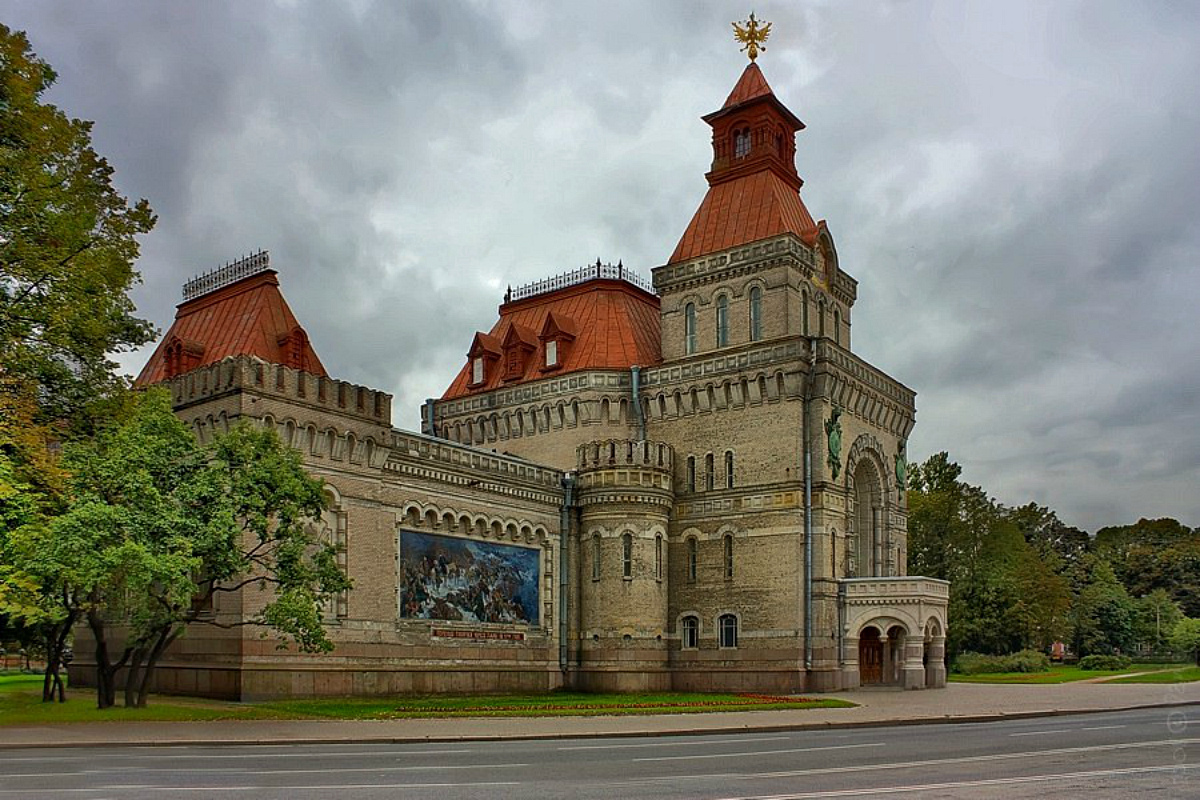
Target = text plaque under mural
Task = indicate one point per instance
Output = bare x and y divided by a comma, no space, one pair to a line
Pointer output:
503,636
452,579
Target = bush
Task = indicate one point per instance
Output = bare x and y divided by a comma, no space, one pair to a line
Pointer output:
1105,662
1024,661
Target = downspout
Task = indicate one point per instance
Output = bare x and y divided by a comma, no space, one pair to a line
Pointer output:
808,528
636,392
564,526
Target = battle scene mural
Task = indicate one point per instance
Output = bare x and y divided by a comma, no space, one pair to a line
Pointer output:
446,578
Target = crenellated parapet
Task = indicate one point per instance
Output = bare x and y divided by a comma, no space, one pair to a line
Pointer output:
624,471
247,373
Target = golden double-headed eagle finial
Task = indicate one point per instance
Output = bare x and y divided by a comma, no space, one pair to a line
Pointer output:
752,34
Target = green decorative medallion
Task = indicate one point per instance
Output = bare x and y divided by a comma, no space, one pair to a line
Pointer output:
833,432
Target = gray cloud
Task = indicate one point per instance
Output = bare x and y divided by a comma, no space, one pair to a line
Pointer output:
1014,186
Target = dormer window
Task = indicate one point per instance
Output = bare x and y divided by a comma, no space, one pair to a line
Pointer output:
481,359
741,143
477,371
558,332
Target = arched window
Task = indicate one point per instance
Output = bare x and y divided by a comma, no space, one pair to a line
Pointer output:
741,143
837,326
627,555
755,314
691,473
658,557
708,472
693,556
690,632
722,321
727,627
595,558
689,328
728,469
804,312
727,554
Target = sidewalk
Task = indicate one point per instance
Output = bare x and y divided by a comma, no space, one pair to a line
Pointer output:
959,702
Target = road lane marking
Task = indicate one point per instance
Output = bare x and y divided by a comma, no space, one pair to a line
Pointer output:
259,789
937,787
673,744
1102,728
895,765
763,752
184,757
1044,733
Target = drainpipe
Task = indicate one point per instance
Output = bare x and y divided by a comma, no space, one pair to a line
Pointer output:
808,528
636,390
564,526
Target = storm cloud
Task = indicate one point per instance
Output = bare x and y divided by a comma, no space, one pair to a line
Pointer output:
1013,185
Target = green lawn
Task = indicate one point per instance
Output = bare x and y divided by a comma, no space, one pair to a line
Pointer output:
20,704
1065,673
1181,674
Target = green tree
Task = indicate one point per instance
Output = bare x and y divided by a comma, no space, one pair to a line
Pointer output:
155,524
1156,617
1103,615
67,245
1185,638
1154,554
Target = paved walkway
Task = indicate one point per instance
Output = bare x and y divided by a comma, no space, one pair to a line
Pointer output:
958,702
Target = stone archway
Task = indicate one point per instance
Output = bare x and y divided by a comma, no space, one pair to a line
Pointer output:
870,656
934,655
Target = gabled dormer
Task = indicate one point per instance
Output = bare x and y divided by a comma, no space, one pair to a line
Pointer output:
557,336
519,343
182,355
482,359
294,349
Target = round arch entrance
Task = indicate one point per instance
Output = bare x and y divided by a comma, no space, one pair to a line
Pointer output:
870,656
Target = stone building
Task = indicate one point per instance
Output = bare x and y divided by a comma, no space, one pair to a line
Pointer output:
687,483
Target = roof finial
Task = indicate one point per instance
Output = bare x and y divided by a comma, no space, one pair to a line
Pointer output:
752,34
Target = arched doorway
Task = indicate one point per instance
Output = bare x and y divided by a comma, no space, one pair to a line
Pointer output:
894,658
870,656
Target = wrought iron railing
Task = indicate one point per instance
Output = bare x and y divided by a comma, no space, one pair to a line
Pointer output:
232,272
595,271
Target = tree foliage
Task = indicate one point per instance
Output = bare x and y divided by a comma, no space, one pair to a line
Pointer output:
1185,638
67,244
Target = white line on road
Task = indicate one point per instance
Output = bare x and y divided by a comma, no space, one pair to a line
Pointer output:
938,787
1102,728
1044,733
259,789
736,740
135,756
763,752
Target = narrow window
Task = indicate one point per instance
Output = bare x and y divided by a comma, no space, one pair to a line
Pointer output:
728,469
804,314
837,326
728,555
728,627
627,555
552,353
689,328
691,473
595,558
658,557
693,555
722,321
708,472
755,314
691,633
741,143
477,370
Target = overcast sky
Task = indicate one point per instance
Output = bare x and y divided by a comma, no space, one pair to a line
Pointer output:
1015,186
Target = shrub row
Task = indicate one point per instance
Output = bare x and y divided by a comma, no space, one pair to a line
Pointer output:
1105,662
1024,661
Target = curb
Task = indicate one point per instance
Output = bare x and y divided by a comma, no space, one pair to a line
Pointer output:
767,728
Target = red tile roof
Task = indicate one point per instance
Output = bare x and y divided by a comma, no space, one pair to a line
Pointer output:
744,210
752,84
755,194
615,325
249,317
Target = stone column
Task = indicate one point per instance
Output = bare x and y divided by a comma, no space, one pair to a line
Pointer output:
935,669
885,670
913,674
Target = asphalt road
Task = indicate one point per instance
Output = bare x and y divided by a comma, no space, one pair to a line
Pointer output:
1142,753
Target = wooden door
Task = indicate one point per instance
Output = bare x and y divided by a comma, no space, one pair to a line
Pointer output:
870,658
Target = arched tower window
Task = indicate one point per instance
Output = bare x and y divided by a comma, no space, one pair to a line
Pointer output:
691,473
722,321
595,558
728,469
708,472
804,313
755,314
690,634
627,555
741,143
658,557
693,557
727,628
689,328
837,326
727,553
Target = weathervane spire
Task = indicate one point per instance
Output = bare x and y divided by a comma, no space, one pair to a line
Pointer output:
752,34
